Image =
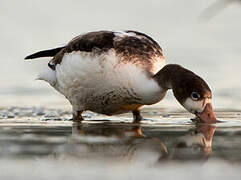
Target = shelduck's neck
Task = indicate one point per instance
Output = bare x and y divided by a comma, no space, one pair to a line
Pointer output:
171,75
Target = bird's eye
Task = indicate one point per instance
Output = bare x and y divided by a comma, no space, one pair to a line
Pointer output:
195,96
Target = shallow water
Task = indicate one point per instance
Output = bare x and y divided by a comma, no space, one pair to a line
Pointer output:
165,144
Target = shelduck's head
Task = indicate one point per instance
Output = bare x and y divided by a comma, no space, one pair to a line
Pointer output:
191,91
196,97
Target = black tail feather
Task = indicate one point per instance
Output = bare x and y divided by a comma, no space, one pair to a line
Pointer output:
45,53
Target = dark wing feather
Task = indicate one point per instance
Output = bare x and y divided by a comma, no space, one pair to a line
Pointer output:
140,34
102,40
139,48
45,53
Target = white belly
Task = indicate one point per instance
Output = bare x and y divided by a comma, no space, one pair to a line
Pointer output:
101,84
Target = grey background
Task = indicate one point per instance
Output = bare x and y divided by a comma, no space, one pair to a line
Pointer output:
209,47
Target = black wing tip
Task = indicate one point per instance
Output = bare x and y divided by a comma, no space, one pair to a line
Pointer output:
28,57
44,53
32,56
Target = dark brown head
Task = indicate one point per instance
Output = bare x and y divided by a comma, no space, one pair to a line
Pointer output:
189,89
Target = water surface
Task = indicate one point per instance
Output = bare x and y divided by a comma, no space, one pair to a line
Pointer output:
165,144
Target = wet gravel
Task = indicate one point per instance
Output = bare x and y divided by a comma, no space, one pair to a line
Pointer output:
34,112
151,114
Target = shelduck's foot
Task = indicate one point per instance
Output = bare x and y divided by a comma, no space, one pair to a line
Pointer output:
77,117
137,116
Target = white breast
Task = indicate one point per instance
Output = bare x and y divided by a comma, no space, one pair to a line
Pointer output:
87,79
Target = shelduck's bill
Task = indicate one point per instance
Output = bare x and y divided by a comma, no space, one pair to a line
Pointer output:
207,116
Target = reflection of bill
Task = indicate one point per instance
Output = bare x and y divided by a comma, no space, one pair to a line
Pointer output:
120,142
195,145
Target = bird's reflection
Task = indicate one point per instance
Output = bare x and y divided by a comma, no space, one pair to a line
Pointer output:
121,141
197,144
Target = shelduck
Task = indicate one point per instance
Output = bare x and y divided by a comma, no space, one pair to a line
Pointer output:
113,72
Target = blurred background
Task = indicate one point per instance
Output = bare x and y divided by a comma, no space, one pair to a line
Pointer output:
193,34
